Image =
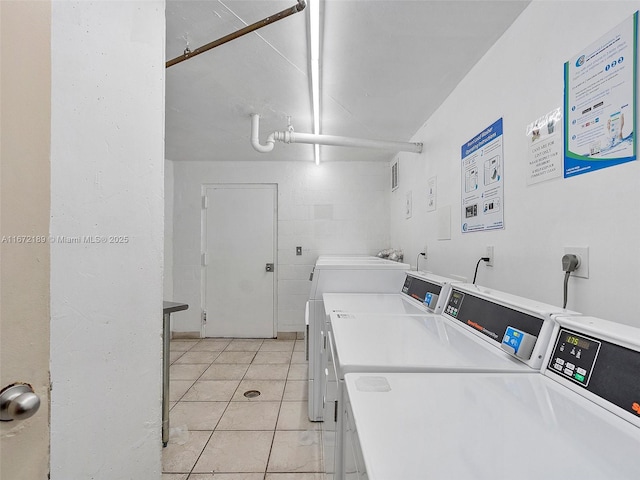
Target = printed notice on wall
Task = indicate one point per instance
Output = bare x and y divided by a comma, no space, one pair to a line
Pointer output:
482,181
545,147
599,102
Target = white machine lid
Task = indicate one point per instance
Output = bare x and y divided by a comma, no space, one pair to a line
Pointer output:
486,426
383,343
371,303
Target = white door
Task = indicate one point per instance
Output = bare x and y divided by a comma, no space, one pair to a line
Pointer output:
239,242
25,116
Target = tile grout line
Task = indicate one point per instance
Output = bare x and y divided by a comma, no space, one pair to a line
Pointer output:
275,427
225,408
221,415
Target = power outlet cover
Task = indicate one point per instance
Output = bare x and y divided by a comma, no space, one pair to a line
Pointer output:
583,254
489,254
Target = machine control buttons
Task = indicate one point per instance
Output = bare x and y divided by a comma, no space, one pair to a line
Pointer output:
518,343
455,302
574,356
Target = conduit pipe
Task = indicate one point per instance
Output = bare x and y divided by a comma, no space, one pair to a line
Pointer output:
335,140
238,33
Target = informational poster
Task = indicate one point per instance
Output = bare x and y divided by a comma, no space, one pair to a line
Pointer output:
599,102
431,194
544,139
482,181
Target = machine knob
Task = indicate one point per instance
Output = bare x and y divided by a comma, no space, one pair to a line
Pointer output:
18,402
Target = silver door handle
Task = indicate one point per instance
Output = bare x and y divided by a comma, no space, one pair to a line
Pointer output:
18,402
269,267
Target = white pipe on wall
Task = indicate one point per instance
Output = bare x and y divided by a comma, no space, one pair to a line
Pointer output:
335,140
255,139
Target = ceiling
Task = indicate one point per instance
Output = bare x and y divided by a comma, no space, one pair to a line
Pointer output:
386,66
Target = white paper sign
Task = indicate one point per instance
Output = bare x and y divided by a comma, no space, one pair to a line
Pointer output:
544,138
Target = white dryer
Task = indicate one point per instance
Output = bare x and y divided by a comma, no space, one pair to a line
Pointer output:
422,292
577,419
341,273
433,343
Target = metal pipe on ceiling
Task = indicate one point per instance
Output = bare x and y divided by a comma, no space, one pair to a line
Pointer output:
238,33
335,140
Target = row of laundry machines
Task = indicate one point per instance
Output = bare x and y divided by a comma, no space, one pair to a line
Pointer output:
415,376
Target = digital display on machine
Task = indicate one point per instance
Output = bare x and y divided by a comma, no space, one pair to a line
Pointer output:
577,341
455,301
574,357
407,284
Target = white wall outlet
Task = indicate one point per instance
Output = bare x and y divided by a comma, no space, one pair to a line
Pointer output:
426,252
583,254
489,254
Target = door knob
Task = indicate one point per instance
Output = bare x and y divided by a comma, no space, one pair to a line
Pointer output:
269,267
18,402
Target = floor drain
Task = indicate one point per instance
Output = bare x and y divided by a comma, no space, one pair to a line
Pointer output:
252,393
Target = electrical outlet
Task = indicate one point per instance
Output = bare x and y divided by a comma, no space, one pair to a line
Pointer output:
426,253
298,250
489,254
583,254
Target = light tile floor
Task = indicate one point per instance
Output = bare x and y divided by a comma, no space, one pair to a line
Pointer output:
219,434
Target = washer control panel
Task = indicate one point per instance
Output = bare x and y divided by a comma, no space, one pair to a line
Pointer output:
599,365
574,356
497,322
428,293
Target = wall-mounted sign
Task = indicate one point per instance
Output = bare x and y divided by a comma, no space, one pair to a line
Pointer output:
544,144
599,102
483,181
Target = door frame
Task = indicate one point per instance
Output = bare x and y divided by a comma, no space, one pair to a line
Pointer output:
203,245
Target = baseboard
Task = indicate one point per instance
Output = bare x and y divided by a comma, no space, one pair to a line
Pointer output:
182,335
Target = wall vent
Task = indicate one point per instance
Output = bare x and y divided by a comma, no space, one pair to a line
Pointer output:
394,176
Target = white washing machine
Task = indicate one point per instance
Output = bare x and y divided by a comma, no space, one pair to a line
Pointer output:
422,292
341,273
433,343
577,419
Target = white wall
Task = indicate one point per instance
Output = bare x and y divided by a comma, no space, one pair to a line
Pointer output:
327,209
107,160
520,79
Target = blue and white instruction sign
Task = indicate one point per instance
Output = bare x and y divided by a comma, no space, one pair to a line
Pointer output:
482,181
600,102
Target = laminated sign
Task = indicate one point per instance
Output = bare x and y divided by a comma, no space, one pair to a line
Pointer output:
482,181
600,102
